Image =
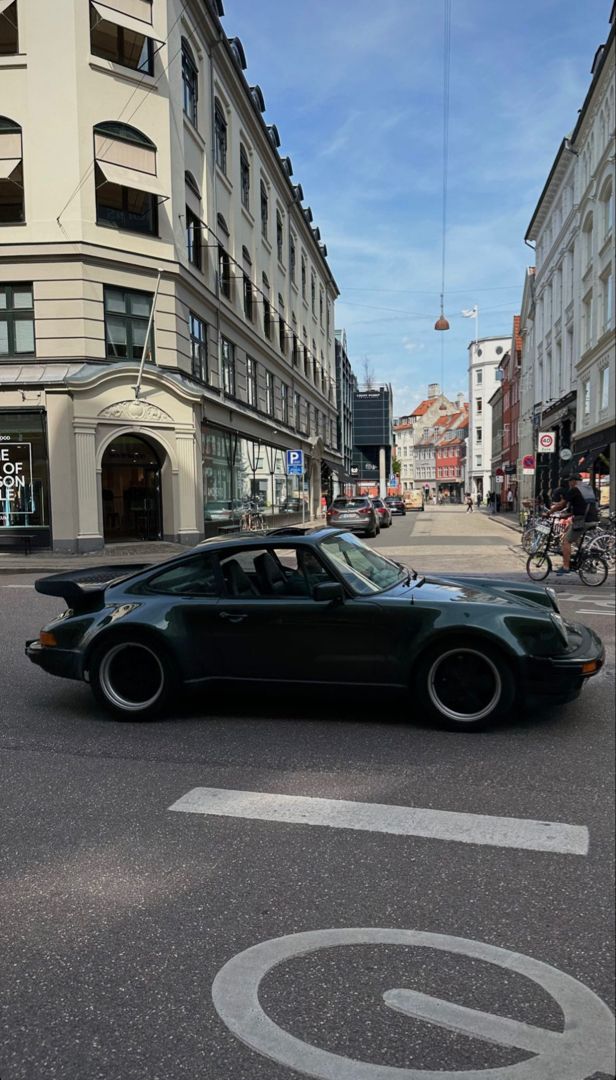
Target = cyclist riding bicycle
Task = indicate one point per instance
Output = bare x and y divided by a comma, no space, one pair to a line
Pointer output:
582,505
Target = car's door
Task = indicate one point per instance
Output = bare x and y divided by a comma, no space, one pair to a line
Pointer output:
189,595
287,635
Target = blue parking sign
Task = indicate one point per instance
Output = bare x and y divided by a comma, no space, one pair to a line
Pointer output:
295,462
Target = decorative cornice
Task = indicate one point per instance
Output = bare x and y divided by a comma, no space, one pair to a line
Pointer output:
133,410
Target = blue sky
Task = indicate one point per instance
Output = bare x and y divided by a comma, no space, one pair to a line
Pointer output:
355,89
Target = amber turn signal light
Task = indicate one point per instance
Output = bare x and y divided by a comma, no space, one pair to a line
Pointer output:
46,638
589,667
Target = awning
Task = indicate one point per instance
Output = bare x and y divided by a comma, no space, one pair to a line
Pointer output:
132,178
7,165
127,21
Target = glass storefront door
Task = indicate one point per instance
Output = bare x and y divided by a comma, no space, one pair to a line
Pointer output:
131,490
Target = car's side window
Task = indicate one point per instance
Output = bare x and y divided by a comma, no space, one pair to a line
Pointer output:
272,572
197,576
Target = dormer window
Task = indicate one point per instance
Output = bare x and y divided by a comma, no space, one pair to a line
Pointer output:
121,38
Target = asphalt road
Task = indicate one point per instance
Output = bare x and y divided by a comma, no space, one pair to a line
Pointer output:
117,913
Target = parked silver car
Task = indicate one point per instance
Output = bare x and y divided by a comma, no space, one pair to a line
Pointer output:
354,514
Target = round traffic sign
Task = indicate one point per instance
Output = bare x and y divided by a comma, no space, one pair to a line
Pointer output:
566,454
547,441
584,1046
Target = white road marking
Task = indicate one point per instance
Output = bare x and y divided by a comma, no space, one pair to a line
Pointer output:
507,832
584,1046
16,586
584,611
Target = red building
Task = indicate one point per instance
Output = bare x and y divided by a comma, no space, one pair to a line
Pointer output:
511,366
450,456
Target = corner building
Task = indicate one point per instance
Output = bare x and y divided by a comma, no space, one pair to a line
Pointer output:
135,157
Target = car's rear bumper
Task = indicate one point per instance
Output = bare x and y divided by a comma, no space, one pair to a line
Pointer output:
563,677
352,526
66,663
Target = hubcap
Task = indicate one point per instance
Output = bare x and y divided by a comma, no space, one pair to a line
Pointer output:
131,676
464,685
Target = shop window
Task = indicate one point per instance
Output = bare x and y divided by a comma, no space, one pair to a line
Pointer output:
11,173
126,321
251,381
198,348
127,188
24,473
193,238
228,366
190,82
9,36
122,44
245,178
16,321
220,136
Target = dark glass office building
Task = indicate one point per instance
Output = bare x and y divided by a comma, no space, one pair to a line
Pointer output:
372,432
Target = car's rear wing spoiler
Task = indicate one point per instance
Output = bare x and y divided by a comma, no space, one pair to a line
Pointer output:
84,589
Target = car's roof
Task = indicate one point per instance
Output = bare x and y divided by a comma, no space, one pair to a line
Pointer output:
307,534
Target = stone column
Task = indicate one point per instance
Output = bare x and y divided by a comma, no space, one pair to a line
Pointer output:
89,535
382,472
188,532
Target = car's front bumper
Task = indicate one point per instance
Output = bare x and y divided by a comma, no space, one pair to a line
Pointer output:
66,663
562,677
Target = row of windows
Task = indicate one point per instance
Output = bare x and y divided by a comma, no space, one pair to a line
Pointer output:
126,321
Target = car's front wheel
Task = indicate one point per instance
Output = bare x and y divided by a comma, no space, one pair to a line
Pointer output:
132,678
464,686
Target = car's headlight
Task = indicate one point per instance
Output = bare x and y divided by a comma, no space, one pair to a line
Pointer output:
553,597
559,623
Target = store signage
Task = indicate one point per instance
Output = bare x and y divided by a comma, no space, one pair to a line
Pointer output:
15,474
547,442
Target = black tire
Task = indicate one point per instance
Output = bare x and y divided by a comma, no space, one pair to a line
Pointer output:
464,685
371,533
131,677
538,567
593,570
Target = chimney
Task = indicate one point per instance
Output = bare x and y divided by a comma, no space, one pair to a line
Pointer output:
433,390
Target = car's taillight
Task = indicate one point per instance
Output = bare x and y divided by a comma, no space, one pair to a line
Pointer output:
365,510
333,512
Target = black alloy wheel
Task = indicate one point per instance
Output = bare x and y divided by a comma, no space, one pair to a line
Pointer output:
465,686
132,678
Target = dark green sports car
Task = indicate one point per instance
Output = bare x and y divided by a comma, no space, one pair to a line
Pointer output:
313,607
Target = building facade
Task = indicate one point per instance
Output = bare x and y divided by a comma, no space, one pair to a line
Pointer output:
372,439
568,356
148,219
346,383
484,357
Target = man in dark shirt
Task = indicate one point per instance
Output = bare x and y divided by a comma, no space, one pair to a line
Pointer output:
573,501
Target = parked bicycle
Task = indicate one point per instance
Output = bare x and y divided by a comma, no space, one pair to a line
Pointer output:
252,518
591,567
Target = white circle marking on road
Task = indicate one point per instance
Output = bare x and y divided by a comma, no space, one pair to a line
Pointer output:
584,1047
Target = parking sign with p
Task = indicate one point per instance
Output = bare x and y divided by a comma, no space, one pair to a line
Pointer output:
295,462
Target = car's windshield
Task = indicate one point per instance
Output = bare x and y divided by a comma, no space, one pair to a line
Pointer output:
362,568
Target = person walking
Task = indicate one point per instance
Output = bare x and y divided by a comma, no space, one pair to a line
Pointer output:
490,502
469,502
479,500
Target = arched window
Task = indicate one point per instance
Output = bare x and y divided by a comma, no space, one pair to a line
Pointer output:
12,208
607,209
586,241
190,82
127,188
220,136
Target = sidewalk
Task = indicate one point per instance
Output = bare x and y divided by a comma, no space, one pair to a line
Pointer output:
52,562
511,520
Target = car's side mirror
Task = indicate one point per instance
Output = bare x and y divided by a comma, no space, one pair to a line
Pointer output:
328,592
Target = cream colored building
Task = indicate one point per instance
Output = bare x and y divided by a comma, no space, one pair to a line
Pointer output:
134,155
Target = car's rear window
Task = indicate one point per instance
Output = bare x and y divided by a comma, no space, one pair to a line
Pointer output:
350,504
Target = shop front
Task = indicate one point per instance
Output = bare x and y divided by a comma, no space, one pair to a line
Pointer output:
241,473
24,478
593,458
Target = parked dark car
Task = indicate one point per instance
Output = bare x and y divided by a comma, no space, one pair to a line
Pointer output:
383,511
356,514
312,607
395,504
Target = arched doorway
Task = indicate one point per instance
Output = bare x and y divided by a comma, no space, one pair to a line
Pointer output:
131,490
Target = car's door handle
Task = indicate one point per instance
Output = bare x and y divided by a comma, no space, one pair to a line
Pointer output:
231,616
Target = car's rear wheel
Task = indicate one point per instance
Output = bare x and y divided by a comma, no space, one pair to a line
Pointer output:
132,678
465,686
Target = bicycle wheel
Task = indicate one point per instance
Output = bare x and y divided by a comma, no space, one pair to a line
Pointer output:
538,566
592,570
528,540
605,547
